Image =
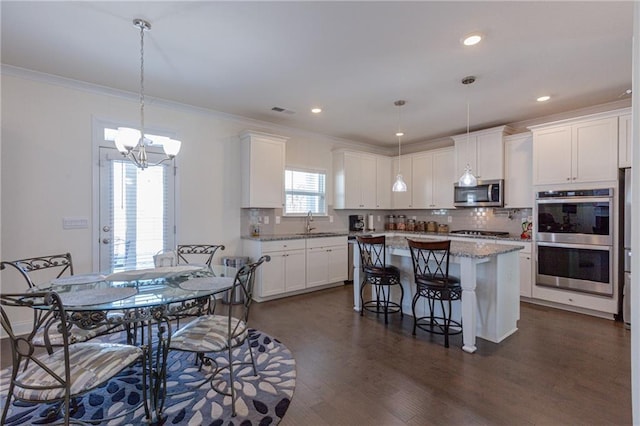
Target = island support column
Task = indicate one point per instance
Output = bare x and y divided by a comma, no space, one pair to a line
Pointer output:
468,277
357,277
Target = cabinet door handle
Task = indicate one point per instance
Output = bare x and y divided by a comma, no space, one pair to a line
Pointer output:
568,178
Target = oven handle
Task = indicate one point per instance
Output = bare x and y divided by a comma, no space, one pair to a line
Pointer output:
574,200
577,246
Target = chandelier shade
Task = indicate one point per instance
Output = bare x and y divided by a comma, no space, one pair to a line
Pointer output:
133,143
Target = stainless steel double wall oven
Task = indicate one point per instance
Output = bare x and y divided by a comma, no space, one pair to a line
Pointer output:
575,238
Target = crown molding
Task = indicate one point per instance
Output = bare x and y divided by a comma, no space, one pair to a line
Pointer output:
250,123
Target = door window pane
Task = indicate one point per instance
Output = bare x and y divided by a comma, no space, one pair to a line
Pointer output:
140,225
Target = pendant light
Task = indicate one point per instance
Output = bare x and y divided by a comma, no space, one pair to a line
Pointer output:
399,185
468,179
133,143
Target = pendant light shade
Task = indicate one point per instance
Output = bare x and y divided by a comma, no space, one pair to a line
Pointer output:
399,185
468,179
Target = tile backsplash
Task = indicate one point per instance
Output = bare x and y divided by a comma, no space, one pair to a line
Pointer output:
488,219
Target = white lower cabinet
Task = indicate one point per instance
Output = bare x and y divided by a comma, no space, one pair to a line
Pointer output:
526,273
286,272
297,265
326,261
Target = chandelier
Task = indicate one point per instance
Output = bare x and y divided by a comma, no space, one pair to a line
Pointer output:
399,185
133,143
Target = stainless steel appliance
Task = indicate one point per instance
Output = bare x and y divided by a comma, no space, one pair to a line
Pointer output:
356,222
626,249
488,193
574,240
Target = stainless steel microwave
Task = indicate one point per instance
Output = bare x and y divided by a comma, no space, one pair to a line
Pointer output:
487,193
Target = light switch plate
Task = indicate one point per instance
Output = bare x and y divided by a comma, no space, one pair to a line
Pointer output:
449,219
75,223
330,219
277,220
266,220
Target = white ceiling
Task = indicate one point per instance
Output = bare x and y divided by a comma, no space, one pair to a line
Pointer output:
353,59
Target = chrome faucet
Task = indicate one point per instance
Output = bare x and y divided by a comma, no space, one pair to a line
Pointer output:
309,220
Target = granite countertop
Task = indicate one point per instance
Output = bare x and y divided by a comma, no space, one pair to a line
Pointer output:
460,248
443,235
300,236
480,237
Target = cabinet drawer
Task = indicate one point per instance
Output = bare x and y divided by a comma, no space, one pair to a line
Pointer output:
270,246
326,242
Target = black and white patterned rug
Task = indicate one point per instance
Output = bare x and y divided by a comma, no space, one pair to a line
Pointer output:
262,399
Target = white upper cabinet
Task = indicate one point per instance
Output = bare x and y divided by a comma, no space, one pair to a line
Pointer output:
624,141
263,159
355,180
578,151
384,182
483,151
518,182
432,177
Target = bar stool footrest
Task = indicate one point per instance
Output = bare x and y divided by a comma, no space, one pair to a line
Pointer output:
437,326
380,307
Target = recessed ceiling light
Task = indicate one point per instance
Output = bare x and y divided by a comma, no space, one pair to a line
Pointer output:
316,110
543,98
400,134
472,39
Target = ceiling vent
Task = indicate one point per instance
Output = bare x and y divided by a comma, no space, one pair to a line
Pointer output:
282,110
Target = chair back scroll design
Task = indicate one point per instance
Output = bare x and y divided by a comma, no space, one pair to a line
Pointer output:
431,259
372,252
59,263
48,376
188,252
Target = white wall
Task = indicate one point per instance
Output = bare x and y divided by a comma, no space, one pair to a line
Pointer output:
46,166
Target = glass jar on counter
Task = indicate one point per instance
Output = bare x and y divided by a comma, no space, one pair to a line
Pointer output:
401,223
390,224
421,226
411,225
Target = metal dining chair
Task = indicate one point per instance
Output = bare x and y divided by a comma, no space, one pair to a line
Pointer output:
208,335
42,270
68,372
197,253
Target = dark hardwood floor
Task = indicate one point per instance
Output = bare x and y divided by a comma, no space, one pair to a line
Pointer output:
560,368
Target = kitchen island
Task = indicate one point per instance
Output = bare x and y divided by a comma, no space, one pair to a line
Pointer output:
489,275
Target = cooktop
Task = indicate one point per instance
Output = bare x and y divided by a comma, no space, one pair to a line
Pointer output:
480,232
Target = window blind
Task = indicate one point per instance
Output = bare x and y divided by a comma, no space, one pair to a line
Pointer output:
139,214
304,192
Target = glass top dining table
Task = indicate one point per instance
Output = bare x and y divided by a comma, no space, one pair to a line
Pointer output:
139,289
147,297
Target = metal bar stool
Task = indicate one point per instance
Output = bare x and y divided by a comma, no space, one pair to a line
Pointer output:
433,282
380,276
